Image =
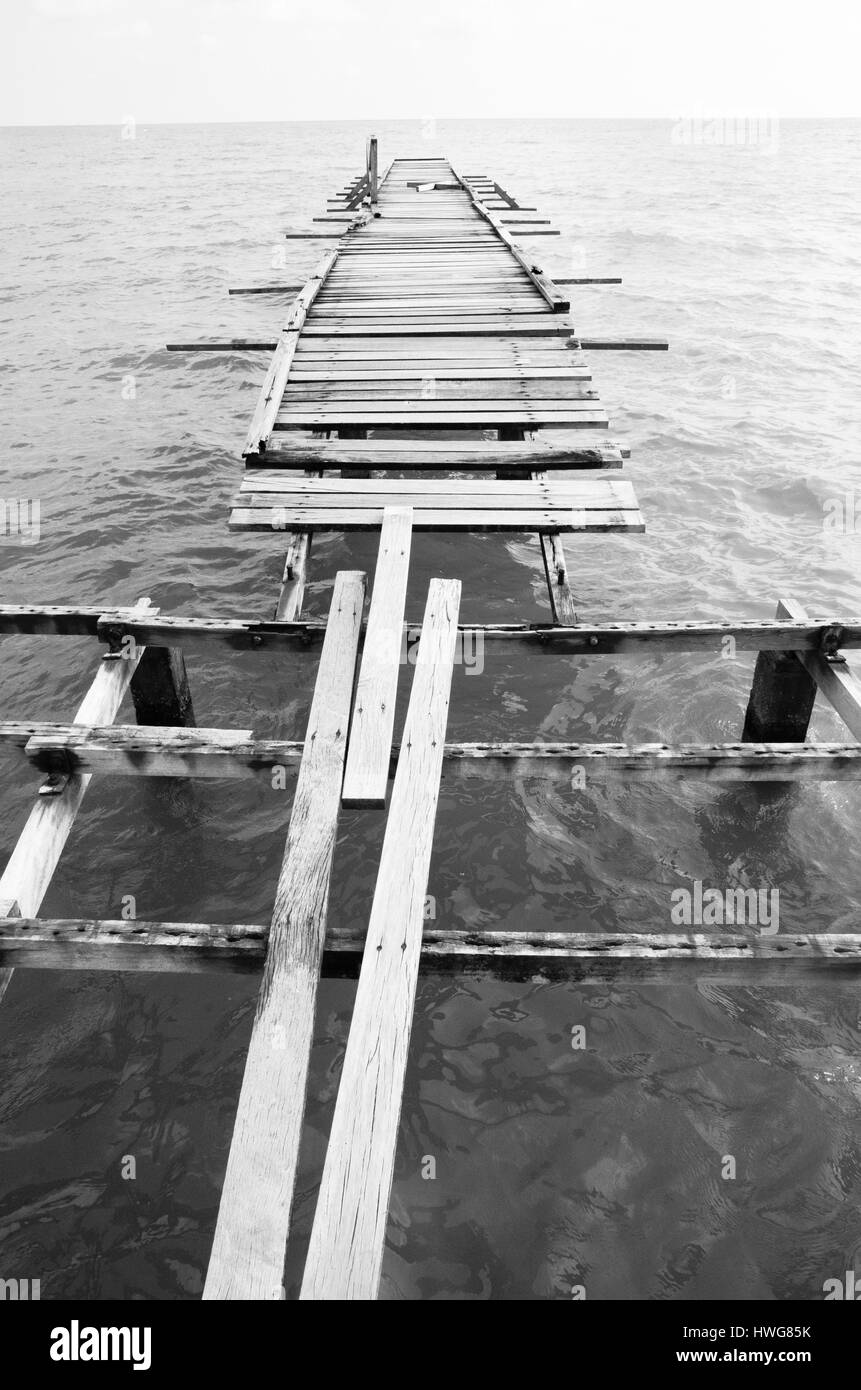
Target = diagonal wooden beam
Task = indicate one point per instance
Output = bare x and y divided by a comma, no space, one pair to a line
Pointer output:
834,677
25,879
247,1260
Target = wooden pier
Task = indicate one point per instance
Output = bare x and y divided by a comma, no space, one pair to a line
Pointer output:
427,342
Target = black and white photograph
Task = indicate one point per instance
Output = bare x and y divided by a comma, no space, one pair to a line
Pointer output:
431,697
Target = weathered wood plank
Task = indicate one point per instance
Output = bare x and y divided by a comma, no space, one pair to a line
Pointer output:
646,957
370,745
586,639
127,750
272,390
247,1260
475,455
163,751
346,1249
275,514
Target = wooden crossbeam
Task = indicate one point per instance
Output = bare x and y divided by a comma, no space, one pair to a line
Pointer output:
636,637
126,750
643,957
247,1260
347,1238
289,452
370,748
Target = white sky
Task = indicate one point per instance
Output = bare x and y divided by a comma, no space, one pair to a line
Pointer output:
92,61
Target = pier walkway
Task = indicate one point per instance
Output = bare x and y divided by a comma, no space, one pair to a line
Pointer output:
427,343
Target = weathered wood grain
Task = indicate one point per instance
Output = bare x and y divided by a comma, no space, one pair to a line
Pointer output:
30,867
347,1238
643,957
247,1260
370,747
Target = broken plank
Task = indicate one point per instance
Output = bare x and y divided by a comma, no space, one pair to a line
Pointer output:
370,747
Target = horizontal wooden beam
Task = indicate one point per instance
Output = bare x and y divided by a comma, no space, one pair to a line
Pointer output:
225,345
456,329
160,751
265,289
595,344
492,456
115,626
591,957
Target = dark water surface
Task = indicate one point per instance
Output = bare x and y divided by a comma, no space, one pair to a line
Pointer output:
554,1167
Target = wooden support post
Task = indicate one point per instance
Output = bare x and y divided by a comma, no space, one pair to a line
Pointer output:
345,1254
294,578
552,551
296,562
160,690
373,189
247,1260
781,699
370,750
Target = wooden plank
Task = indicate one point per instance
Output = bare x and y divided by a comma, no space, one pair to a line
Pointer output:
525,328
265,289
475,455
593,344
346,1248
272,390
545,286
454,492
644,957
247,1260
478,415
370,745
287,516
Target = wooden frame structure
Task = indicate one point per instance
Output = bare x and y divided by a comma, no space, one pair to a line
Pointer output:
425,285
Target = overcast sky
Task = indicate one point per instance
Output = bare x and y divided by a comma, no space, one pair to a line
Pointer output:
91,61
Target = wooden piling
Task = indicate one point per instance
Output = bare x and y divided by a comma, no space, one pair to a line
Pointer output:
160,689
781,698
